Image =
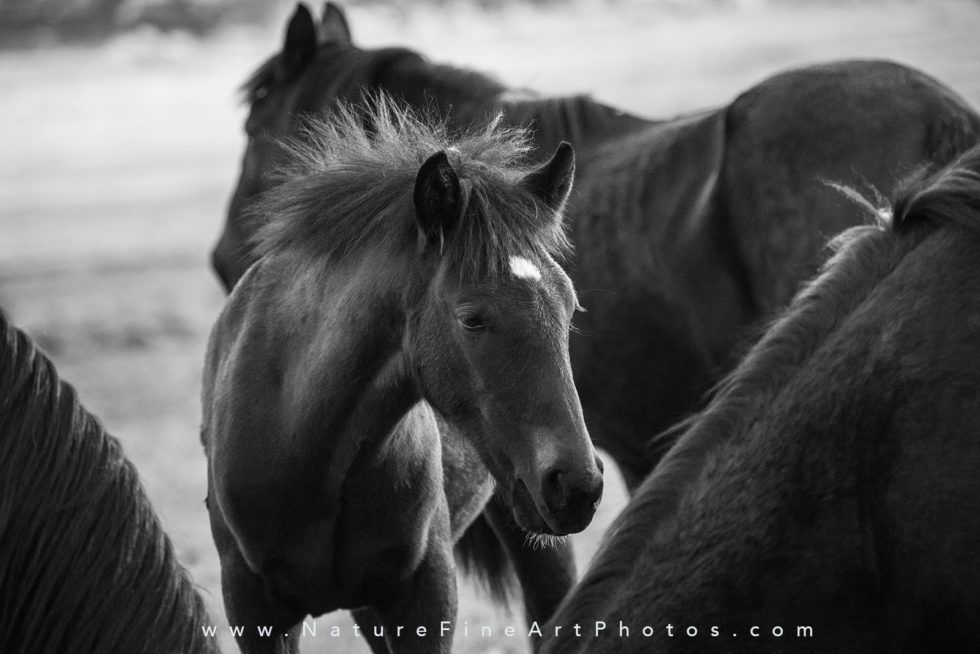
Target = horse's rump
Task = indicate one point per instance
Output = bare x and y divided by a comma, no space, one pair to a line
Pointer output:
791,138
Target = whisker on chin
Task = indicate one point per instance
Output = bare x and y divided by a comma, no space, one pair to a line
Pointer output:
543,541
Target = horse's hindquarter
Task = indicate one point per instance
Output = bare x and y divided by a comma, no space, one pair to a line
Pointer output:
864,124
690,233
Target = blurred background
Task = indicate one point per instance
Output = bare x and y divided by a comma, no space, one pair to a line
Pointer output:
120,132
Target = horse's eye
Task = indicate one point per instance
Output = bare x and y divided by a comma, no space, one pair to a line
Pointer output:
471,322
259,93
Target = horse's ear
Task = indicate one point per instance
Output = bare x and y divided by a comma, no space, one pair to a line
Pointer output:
437,198
552,181
301,40
333,25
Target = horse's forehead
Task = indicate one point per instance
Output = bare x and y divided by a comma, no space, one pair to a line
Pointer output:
523,268
517,275
539,277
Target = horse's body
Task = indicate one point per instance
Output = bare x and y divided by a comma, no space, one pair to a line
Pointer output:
831,483
84,563
689,233
678,271
378,365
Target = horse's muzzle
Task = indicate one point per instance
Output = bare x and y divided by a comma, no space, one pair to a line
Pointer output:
571,497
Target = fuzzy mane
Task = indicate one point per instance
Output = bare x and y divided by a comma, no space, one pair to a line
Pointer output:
864,256
84,563
349,184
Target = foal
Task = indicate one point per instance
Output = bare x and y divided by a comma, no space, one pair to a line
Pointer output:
402,339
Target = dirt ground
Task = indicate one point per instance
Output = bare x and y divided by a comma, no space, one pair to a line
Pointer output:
116,162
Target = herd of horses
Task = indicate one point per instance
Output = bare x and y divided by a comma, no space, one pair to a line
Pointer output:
443,292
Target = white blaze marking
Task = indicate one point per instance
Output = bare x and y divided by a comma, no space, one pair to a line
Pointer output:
523,268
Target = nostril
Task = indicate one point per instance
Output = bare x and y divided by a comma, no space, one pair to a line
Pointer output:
553,490
600,465
588,495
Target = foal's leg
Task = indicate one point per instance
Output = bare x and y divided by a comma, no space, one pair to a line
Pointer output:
427,601
247,603
247,607
546,574
366,619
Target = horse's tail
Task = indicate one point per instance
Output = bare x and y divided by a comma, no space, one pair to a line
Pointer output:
482,556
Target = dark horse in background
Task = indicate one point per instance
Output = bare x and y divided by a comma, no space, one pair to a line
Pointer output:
689,233
832,482
84,564
399,350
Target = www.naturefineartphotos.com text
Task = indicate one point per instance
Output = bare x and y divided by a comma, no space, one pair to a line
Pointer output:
595,629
